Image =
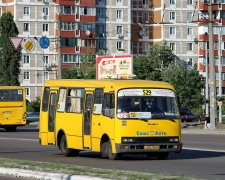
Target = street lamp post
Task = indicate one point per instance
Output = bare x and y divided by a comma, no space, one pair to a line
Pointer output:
212,77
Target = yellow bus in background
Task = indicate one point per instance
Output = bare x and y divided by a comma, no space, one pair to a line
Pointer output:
12,107
113,117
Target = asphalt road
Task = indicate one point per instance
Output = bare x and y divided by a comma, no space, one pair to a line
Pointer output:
203,155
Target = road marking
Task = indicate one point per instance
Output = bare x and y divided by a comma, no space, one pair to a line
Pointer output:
18,139
211,150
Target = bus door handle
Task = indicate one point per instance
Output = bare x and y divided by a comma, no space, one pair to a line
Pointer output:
99,124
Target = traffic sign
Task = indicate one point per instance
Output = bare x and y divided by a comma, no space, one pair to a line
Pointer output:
44,42
16,41
28,45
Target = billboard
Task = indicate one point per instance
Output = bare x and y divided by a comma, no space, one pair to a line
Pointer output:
114,67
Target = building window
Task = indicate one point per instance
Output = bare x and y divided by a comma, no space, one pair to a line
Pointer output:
45,27
119,1
26,10
26,59
172,15
69,26
45,60
101,13
173,46
190,31
190,2
101,44
190,61
46,75
119,14
70,58
45,11
172,30
119,45
223,1
172,2
26,75
101,30
67,9
26,27
119,29
189,46
87,11
68,42
189,16
27,91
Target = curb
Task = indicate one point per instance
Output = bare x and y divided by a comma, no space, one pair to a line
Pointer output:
43,175
202,131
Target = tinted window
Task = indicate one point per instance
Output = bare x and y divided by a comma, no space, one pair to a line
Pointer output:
45,99
11,95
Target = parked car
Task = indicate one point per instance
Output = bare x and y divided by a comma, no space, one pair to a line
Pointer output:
186,114
32,117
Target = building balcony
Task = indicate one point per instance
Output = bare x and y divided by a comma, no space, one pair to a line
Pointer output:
204,7
84,50
87,3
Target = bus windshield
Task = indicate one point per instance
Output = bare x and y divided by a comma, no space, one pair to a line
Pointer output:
11,95
147,104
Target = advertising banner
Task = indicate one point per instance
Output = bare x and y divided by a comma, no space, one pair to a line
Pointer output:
119,67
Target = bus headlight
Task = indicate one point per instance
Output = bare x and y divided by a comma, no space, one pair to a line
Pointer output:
127,140
176,139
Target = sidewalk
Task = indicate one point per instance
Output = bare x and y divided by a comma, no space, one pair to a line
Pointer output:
202,131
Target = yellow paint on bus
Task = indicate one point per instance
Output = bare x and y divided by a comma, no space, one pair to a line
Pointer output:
12,107
113,117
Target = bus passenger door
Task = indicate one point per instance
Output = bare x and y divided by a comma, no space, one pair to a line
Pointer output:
51,117
87,120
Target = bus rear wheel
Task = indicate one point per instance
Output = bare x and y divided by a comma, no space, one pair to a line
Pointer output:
107,151
67,152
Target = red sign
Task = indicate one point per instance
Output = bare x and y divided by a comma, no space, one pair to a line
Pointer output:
16,41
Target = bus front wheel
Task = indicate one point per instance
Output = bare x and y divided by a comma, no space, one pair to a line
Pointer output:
65,150
107,151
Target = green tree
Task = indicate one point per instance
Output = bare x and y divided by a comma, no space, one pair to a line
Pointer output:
159,56
188,85
73,73
34,105
86,70
9,58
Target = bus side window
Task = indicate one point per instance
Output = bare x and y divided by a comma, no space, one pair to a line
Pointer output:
108,105
45,99
74,100
62,100
98,98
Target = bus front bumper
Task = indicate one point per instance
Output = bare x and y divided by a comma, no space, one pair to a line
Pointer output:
146,148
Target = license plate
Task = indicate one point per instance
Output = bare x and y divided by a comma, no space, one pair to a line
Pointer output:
151,147
7,112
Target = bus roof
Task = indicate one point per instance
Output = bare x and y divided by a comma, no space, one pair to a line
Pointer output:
12,87
108,83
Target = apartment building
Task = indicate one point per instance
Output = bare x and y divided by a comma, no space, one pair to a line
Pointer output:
218,8
118,27
35,19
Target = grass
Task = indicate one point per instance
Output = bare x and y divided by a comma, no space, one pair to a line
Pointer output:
86,171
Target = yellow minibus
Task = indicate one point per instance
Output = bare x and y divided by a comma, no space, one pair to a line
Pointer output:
12,107
113,117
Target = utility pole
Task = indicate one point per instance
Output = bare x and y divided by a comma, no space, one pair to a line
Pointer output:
212,77
206,79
